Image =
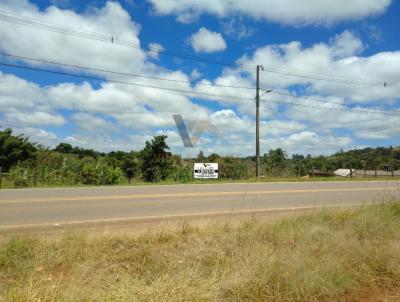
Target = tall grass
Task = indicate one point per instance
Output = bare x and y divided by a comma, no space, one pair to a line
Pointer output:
324,256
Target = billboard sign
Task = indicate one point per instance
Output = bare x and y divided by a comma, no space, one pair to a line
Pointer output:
206,170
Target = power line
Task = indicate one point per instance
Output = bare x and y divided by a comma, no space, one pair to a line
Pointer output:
334,108
366,110
309,73
122,73
325,78
342,108
114,40
323,101
124,82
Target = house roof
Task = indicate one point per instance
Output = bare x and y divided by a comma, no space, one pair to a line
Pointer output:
344,172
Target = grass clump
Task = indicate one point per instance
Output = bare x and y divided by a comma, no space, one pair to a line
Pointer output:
324,256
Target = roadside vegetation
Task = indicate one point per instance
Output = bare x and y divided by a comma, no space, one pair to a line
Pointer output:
328,255
26,164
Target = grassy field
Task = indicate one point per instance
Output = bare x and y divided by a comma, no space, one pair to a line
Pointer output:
328,255
8,184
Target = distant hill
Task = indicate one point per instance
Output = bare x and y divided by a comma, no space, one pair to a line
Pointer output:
369,157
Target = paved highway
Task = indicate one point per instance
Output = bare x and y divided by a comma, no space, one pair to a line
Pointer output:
41,207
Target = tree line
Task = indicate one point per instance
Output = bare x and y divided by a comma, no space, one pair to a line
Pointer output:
26,162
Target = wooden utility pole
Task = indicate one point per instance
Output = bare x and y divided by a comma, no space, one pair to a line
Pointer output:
258,121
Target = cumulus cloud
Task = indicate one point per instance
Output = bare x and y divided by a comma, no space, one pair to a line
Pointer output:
292,12
17,93
338,59
127,115
34,118
325,117
207,41
107,143
92,123
110,20
133,105
279,127
309,142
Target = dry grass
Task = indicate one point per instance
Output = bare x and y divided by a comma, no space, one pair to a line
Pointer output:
330,255
9,184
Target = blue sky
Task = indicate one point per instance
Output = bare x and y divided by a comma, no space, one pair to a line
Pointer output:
347,40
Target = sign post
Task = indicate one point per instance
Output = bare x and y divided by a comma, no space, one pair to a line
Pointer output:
206,170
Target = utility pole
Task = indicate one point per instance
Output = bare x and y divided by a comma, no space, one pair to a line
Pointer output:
258,121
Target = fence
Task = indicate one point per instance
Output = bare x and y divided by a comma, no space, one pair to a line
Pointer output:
228,171
376,173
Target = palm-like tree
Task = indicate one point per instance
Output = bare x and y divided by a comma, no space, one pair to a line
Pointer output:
14,149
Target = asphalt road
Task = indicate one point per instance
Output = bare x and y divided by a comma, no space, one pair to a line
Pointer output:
41,207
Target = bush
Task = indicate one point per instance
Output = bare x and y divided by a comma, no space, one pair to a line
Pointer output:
20,177
100,174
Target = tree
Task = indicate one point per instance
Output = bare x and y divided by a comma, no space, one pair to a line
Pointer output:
156,160
64,148
213,157
274,161
14,149
201,156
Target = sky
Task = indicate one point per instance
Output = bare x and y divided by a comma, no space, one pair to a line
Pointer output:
333,68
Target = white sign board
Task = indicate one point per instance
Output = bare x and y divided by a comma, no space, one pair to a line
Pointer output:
205,170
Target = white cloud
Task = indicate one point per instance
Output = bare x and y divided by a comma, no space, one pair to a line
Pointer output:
110,20
291,12
17,93
135,114
106,143
195,74
37,133
345,45
34,118
308,142
339,59
374,125
155,50
92,123
187,17
129,105
207,41
279,127
228,121
236,28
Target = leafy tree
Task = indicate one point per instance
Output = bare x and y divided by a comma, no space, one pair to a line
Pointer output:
297,157
201,156
213,157
14,149
275,161
82,152
156,160
64,148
